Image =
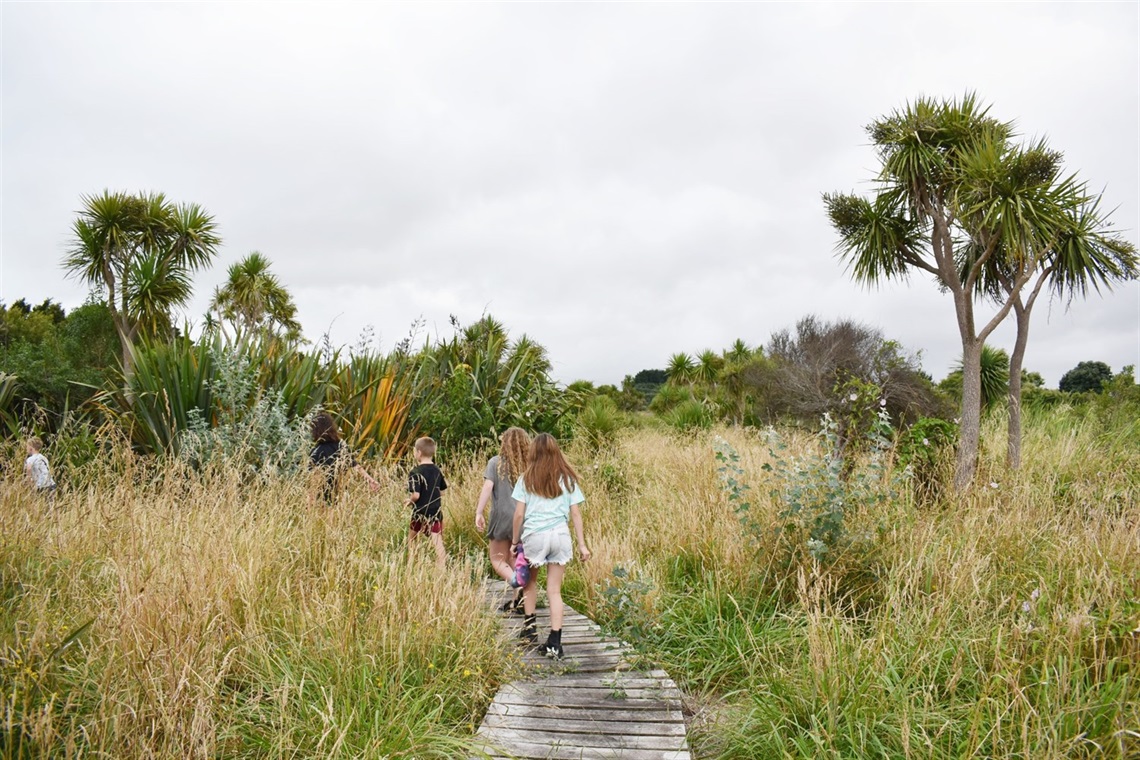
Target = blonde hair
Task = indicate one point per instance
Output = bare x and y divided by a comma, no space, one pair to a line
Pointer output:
36,444
513,454
548,472
425,446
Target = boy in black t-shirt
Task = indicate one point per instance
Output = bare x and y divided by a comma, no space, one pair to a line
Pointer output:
425,483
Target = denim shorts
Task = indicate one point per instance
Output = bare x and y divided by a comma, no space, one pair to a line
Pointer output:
551,547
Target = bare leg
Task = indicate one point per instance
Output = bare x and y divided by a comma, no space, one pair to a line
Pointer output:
554,575
440,552
498,550
530,592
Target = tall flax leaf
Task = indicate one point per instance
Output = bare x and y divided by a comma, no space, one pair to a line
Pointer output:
168,381
8,385
373,405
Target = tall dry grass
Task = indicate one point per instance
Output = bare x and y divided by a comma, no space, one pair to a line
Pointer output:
173,614
170,614
1001,624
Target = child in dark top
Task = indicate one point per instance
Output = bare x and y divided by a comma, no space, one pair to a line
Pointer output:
331,456
425,484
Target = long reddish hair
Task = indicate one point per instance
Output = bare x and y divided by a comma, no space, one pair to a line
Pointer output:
547,471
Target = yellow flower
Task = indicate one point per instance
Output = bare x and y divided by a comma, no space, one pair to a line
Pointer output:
466,673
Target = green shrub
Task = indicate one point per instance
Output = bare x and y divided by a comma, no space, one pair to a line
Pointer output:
926,448
598,422
689,415
668,397
257,437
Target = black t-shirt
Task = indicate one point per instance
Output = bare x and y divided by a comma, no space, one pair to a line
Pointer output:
427,480
333,457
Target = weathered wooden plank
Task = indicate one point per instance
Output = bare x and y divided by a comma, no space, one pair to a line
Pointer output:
505,736
549,712
528,751
537,695
562,725
602,700
632,679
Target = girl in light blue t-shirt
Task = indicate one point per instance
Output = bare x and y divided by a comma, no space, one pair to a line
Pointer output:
546,496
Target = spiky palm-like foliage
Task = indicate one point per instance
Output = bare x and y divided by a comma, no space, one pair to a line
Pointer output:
174,382
1077,252
681,369
709,365
143,249
372,402
253,299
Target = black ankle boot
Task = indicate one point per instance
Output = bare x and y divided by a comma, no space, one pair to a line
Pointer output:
529,633
553,646
514,604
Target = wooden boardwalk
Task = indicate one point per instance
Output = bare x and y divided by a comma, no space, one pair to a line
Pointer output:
590,706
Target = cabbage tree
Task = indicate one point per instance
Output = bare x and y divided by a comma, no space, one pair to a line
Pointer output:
955,197
143,250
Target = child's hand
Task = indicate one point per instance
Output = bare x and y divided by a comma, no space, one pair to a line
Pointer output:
480,523
584,554
374,485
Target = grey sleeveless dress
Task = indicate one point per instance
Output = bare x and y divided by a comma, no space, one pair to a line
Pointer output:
500,522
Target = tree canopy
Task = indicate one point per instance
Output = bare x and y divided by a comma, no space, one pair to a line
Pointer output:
1086,376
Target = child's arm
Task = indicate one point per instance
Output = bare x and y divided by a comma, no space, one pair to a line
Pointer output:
576,519
413,489
484,497
520,513
372,482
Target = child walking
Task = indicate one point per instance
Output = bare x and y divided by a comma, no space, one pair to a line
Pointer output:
36,469
425,486
499,480
330,456
546,496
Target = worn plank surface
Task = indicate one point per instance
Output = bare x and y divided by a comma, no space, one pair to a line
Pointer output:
591,706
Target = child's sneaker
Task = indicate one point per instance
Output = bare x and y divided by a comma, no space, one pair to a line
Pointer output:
522,568
553,646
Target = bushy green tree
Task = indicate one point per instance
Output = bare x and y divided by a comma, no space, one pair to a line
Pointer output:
1086,376
61,359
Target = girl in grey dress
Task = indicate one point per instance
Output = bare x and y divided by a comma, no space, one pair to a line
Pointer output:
498,483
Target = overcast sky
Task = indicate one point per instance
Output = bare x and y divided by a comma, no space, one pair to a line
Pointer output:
618,181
